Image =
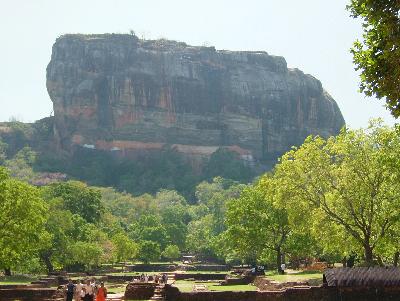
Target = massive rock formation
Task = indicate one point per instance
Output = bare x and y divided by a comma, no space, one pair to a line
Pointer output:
119,93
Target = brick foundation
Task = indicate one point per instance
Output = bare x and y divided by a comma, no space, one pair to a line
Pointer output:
26,294
139,291
320,293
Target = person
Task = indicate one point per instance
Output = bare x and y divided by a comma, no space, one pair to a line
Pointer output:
101,293
89,291
70,289
78,291
95,286
283,268
164,278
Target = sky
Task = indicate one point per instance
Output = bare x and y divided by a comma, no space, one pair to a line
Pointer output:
313,35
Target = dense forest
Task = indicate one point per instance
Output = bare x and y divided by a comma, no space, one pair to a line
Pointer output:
30,148
333,199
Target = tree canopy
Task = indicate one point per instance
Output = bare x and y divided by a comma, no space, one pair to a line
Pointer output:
348,183
326,199
377,56
78,198
23,214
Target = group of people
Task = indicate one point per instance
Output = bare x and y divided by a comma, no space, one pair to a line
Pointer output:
156,278
89,291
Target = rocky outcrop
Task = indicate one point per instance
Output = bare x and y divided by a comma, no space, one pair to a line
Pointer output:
119,93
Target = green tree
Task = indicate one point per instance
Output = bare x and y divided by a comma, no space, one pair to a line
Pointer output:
166,198
149,251
21,164
3,151
229,165
78,198
86,253
171,253
215,196
175,219
256,227
125,248
377,55
19,135
149,228
22,217
200,237
126,206
59,225
349,182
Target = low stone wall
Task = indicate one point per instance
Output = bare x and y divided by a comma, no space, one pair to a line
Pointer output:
152,267
237,281
119,278
293,294
218,296
200,276
139,291
210,267
26,294
265,284
124,278
16,286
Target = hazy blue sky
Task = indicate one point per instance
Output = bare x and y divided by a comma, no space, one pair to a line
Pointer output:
313,35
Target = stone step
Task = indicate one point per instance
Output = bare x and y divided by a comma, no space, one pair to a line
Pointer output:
39,282
48,278
159,293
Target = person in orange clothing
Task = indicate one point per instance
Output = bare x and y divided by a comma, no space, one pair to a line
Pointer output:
101,293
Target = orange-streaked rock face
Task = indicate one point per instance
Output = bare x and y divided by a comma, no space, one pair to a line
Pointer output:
116,92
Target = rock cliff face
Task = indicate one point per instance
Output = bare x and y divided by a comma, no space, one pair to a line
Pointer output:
119,93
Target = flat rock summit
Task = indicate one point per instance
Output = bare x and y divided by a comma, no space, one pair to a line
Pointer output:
117,92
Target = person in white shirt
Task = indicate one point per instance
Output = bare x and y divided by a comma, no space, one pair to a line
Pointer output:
283,268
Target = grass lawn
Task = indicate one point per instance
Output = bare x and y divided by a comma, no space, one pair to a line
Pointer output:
234,288
117,289
128,273
204,272
184,285
294,277
9,280
187,286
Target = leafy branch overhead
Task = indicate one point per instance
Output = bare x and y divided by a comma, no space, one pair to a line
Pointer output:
377,56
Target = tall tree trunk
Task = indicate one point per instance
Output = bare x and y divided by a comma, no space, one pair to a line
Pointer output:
48,264
396,258
279,260
7,272
369,261
46,258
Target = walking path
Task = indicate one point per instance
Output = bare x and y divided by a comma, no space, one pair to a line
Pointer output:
115,297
